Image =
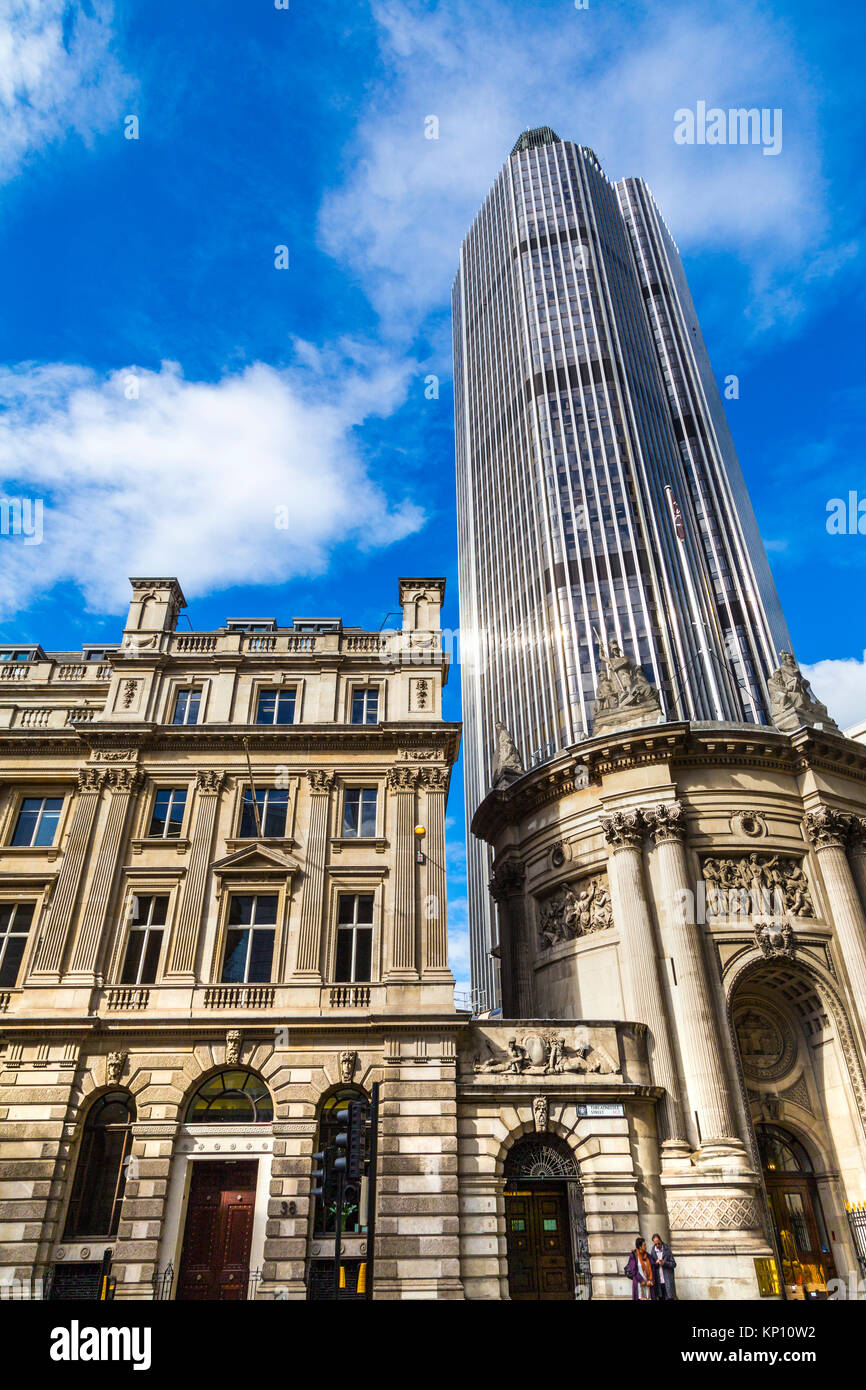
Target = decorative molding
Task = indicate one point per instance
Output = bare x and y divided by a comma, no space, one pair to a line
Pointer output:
624,829
321,780
91,779
209,781
667,822
547,1054
403,779
114,1064
348,1061
750,823
827,829
507,879
234,1042
714,1214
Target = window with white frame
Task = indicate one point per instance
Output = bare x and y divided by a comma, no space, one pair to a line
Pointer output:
250,937
15,921
169,805
365,704
276,707
354,938
144,944
37,820
187,703
359,812
273,807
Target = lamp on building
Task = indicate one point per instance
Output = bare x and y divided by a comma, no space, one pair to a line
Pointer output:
420,856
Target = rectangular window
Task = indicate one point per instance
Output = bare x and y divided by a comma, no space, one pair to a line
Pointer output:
37,820
15,919
168,808
273,807
365,705
186,706
145,939
249,952
354,938
276,707
359,813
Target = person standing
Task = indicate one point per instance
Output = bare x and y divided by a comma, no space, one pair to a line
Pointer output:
640,1270
663,1266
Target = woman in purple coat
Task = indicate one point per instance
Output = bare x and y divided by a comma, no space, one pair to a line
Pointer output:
640,1271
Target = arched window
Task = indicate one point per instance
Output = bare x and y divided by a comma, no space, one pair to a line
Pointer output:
231,1097
100,1175
325,1218
780,1151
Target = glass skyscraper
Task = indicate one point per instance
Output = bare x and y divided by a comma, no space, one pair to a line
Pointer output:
599,493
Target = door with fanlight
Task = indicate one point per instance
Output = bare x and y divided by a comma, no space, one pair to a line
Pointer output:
215,1259
795,1206
538,1242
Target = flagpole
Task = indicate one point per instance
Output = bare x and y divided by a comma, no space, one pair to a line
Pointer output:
253,791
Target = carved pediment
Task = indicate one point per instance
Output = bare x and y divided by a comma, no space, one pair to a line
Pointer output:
257,857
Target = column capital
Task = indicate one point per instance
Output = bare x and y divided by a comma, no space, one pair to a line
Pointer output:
858,834
827,828
124,780
403,779
667,822
624,829
508,878
435,779
91,779
210,781
321,780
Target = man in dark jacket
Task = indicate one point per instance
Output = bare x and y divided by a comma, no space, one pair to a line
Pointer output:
664,1264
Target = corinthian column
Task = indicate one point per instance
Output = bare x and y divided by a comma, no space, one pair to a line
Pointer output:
49,956
507,887
184,945
644,993
435,945
828,832
404,958
122,782
309,963
695,1015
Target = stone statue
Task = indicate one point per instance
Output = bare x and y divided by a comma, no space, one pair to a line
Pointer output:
540,1113
507,762
792,703
624,697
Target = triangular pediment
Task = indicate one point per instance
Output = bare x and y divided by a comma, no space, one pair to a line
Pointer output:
257,855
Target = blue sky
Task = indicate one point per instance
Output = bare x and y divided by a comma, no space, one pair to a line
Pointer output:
151,262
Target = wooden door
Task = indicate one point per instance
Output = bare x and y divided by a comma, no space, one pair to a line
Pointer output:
538,1242
215,1261
806,1264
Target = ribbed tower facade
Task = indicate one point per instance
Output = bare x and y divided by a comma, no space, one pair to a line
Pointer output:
600,497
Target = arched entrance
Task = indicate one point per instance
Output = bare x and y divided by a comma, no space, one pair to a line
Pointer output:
545,1224
796,1059
795,1209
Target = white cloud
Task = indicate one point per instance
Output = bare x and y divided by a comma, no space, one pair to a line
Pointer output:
189,476
841,685
58,73
612,81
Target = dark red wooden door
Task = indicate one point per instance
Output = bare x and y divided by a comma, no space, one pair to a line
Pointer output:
215,1261
538,1242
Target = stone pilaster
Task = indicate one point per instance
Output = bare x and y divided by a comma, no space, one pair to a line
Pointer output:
695,1015
644,1000
286,1245
828,832
84,965
435,944
142,1212
48,966
182,954
402,782
507,888
309,962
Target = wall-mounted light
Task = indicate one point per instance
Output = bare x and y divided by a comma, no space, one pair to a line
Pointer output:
420,856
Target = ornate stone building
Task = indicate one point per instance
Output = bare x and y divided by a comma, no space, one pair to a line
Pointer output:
708,882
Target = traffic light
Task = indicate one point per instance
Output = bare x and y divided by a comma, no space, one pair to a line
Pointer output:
350,1141
323,1173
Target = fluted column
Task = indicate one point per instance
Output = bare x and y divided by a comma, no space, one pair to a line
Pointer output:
507,887
435,949
402,782
695,1015
309,962
857,856
828,832
184,945
49,957
122,782
644,1000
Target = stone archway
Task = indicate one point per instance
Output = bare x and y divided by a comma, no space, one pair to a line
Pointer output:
801,1077
547,1245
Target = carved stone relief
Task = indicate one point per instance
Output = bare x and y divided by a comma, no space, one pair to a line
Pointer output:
744,885
575,910
547,1054
766,1040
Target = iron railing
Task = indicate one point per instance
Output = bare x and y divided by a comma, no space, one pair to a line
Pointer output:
856,1213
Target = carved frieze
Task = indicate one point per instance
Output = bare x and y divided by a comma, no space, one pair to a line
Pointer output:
747,885
547,1054
575,910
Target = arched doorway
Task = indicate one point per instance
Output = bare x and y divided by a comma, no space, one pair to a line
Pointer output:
545,1223
795,1209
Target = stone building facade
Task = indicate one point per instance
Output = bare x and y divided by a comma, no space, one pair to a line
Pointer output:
708,882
